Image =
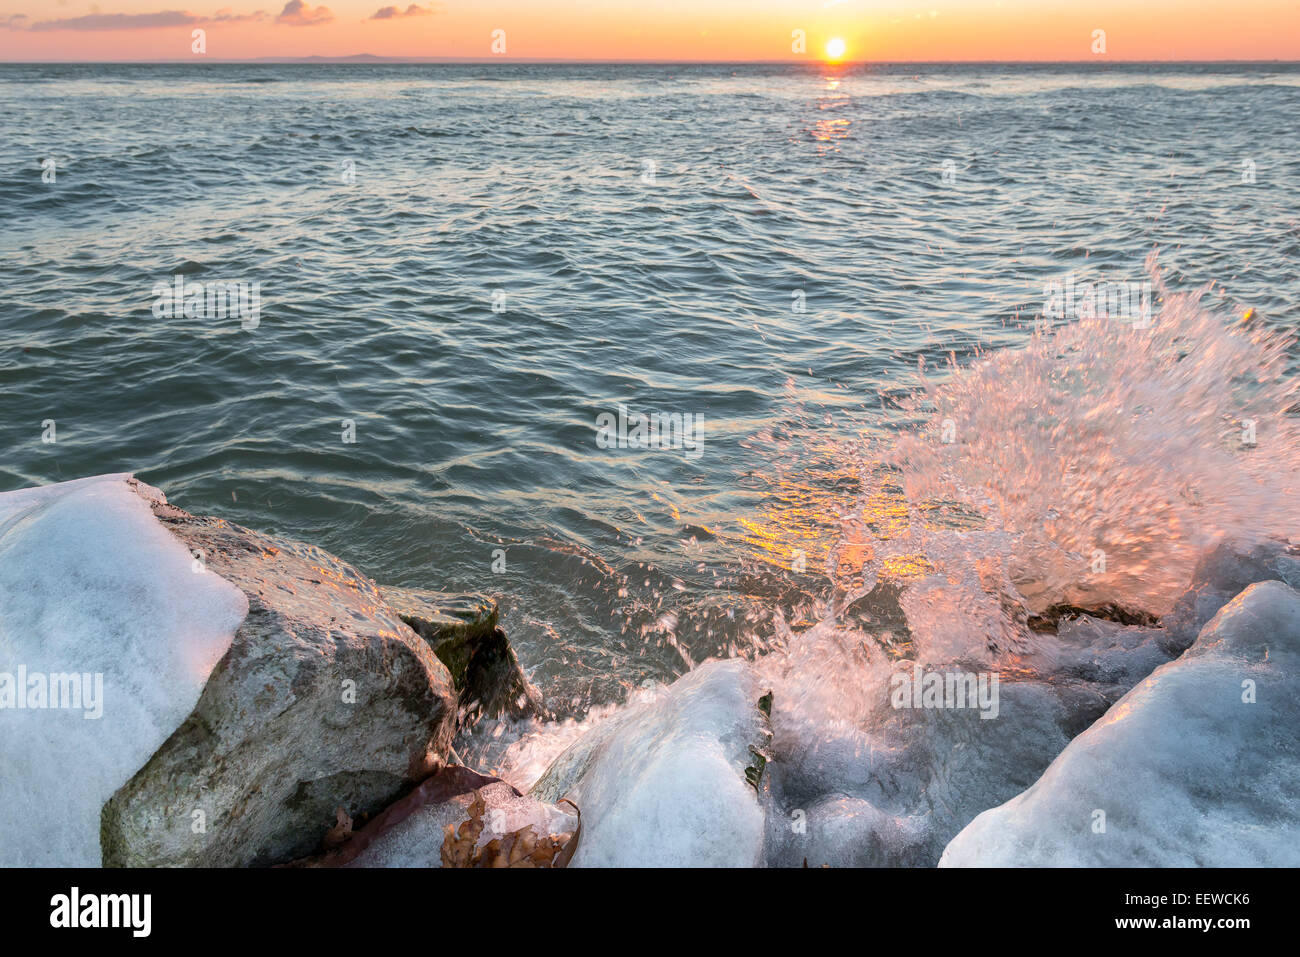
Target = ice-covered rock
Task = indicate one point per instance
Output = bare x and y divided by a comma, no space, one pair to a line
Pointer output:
892,790
1198,765
1105,652
95,590
1220,575
326,699
863,778
674,781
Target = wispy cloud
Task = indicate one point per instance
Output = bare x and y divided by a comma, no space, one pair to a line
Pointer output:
129,21
118,21
414,10
298,14
229,16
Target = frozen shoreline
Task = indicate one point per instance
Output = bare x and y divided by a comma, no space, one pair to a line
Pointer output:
737,763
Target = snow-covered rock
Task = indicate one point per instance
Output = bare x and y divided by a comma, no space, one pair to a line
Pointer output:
674,781
326,699
893,790
93,587
1198,765
1220,575
1107,653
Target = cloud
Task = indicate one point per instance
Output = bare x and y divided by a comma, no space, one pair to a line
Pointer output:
395,13
298,14
119,21
129,21
229,16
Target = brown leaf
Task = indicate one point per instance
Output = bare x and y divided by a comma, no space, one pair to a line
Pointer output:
458,844
522,848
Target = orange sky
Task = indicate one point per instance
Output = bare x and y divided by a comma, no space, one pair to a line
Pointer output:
653,29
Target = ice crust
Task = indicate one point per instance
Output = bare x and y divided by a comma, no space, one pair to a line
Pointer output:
1187,770
663,783
91,583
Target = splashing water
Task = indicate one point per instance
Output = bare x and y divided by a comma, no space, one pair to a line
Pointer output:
1089,468
1102,457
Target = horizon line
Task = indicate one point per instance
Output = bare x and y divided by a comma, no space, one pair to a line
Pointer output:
649,61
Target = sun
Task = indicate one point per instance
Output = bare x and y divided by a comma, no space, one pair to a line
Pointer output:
835,48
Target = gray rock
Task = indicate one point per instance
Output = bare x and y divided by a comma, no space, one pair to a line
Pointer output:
462,631
487,819
326,699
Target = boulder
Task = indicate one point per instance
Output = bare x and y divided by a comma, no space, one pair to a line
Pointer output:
1198,765
325,699
458,818
441,617
462,631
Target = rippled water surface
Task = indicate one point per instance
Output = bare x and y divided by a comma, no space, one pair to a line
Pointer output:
776,250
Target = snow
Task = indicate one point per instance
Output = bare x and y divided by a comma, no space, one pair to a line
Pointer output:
1199,765
91,583
663,783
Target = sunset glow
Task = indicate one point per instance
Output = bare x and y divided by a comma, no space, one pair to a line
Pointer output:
674,30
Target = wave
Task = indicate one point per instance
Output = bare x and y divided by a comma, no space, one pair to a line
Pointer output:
1088,468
